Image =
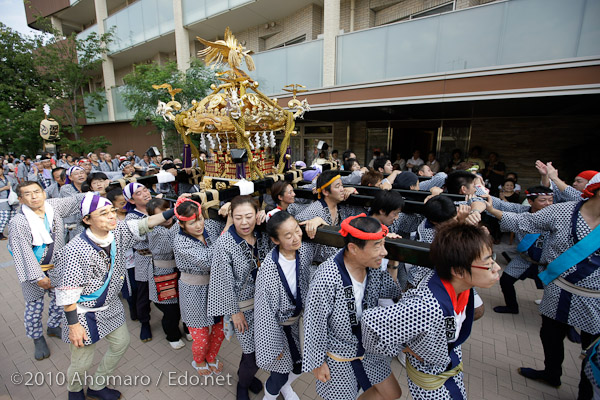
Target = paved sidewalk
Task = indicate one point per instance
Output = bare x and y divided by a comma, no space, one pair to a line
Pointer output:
498,345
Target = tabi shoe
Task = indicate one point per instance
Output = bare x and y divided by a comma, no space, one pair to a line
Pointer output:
539,375
41,348
538,301
255,386
177,345
56,332
188,337
506,310
269,396
241,393
287,392
145,333
77,395
103,394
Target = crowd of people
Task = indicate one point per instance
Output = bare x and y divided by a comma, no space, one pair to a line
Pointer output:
85,237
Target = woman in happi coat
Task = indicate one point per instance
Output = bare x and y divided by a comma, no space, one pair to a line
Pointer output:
431,321
236,259
192,247
284,197
89,273
281,286
162,280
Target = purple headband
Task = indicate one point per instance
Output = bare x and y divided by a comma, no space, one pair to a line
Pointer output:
92,202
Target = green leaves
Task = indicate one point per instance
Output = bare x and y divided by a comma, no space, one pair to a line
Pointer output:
142,99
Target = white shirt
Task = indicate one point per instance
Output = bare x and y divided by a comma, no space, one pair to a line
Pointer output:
385,302
289,270
414,162
359,294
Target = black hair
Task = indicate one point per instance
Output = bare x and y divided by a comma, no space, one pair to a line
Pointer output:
275,222
365,224
239,200
538,189
458,179
346,154
515,174
380,163
439,209
325,177
25,184
155,204
113,194
386,201
187,209
456,246
349,163
96,176
508,180
334,151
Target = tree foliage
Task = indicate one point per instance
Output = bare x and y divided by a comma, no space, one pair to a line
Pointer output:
21,93
142,99
47,69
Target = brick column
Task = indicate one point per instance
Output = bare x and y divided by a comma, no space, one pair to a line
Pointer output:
331,28
182,38
108,70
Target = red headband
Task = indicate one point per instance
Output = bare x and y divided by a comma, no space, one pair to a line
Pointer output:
589,190
347,229
182,200
587,175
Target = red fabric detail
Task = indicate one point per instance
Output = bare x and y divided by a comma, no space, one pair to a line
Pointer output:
183,200
587,175
463,298
347,229
206,346
589,190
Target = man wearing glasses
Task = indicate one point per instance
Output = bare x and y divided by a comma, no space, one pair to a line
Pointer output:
36,233
430,322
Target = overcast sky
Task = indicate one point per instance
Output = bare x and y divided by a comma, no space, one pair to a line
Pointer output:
13,15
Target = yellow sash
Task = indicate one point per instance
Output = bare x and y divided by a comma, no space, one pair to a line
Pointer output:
428,381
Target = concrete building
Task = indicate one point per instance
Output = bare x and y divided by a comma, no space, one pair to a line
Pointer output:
519,77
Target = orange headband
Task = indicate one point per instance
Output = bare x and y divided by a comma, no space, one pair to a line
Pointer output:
182,200
347,229
319,190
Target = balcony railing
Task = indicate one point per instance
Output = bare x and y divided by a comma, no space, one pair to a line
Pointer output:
142,21
301,63
502,33
198,10
94,115
122,113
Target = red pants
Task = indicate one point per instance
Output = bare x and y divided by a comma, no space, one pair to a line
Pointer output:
206,346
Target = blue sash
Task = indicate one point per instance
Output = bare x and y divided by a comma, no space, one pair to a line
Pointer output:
297,301
579,252
441,294
591,353
527,242
99,295
357,365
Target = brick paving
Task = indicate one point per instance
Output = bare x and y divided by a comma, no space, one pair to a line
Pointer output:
498,345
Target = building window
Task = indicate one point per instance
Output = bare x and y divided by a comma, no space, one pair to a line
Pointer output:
297,40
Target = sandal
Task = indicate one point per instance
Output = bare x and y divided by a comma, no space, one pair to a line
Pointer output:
216,367
202,371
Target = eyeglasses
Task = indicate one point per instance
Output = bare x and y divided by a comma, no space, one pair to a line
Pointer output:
489,266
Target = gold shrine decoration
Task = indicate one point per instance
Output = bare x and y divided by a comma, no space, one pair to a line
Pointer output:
236,113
